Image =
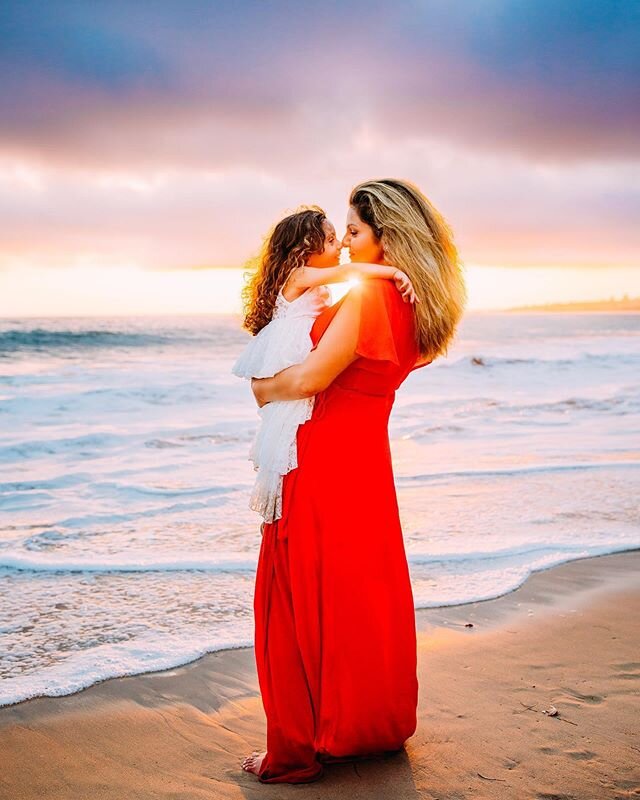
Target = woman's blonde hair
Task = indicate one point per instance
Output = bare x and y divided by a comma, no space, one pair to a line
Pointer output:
286,247
417,239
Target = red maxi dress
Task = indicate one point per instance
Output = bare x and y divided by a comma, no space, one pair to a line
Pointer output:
335,636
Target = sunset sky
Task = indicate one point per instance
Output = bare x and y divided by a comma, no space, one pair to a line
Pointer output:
144,144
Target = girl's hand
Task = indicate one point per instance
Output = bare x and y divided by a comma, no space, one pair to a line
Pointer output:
405,287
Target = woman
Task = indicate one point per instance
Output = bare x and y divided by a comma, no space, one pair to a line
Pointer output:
335,636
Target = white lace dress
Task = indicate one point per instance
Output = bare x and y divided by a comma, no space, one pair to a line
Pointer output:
285,341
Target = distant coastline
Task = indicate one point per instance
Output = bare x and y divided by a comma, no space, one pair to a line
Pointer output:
628,304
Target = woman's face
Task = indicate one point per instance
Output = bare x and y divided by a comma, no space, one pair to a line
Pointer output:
361,240
330,256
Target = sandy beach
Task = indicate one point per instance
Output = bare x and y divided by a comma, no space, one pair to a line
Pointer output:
568,638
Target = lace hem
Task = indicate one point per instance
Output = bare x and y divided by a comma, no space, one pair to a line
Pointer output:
274,452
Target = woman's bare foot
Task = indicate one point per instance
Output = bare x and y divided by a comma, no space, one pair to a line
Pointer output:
253,762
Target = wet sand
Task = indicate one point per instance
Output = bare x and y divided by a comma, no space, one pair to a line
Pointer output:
568,638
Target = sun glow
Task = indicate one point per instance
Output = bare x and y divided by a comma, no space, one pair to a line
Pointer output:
29,291
122,290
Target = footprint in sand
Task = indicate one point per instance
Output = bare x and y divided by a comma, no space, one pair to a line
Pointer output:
630,670
593,699
580,755
629,789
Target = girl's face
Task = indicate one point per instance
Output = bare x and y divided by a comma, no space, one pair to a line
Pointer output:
330,256
361,240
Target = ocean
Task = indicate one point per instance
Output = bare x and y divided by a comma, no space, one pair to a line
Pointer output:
126,541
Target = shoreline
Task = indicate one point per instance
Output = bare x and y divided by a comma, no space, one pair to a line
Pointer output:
559,639
423,614
543,590
426,617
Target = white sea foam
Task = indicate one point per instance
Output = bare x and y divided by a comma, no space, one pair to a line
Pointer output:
145,654
132,562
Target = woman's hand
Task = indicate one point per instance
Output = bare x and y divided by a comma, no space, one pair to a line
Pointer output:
335,351
288,384
256,388
405,287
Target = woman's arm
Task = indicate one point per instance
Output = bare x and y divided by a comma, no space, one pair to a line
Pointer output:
335,351
308,277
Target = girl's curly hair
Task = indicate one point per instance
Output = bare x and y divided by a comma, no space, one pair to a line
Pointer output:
285,248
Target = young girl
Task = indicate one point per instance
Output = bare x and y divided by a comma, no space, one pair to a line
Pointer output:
282,299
